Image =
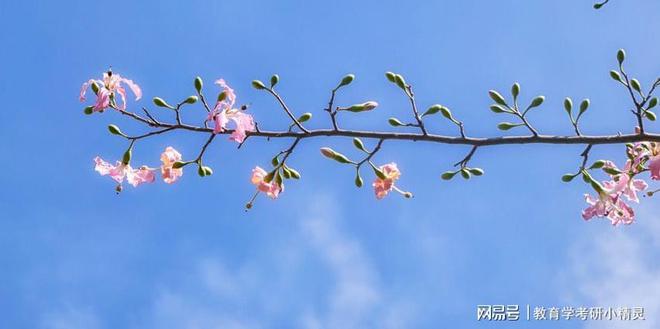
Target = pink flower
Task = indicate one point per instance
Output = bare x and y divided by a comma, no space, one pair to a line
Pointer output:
609,205
621,213
654,161
108,86
597,207
169,157
223,113
625,184
119,171
382,186
271,189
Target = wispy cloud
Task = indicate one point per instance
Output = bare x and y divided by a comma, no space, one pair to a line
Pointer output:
619,268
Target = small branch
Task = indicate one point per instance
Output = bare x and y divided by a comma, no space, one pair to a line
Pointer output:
286,109
371,154
411,96
467,158
331,111
155,122
201,153
585,156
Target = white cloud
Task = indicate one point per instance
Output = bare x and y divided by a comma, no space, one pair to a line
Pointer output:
618,267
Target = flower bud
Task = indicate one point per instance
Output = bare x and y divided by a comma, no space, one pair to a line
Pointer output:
379,173
304,117
358,180
496,97
200,171
160,102
584,106
400,81
269,177
432,110
620,56
328,152
274,80
113,129
652,103
508,125
597,164
495,108
537,101
567,178
634,83
394,122
568,105
89,110
448,175
257,84
294,173
615,75
363,107
119,188
275,161
191,100
286,173
126,159
515,90
359,145
465,173
476,171
390,76
198,84
179,164
650,115
222,96
446,113
207,171
407,195
346,80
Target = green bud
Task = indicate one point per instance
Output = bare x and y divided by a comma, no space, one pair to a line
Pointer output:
275,161
508,125
198,84
465,173
400,81
650,115
476,171
269,177
222,96
496,97
568,105
446,113
598,5
179,164
379,173
358,181
432,110
191,100
207,171
274,80
390,76
611,171
652,103
126,159
359,145
567,178
113,129
498,109
407,195
363,107
615,75
597,164
89,110
304,117
346,80
328,152
278,178
294,173
537,101
341,158
286,173
584,106
161,103
515,90
394,122
95,88
447,175
634,83
257,84
620,56
200,171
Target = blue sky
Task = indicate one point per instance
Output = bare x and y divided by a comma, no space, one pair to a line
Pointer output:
325,255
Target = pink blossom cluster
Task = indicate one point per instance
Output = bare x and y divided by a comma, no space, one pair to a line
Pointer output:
624,184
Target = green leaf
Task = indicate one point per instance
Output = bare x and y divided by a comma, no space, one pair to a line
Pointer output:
496,97
257,84
394,122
